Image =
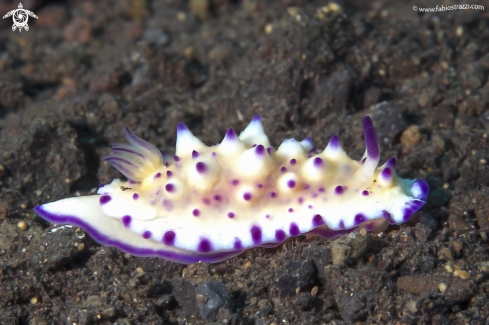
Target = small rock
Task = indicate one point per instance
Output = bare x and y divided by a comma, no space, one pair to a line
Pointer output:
372,96
422,232
156,36
265,306
199,8
411,136
349,247
215,295
79,30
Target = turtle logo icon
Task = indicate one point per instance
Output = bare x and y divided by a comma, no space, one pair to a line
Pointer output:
20,17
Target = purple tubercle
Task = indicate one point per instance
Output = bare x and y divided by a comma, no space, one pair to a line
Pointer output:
279,235
307,186
158,175
342,224
182,127
201,167
300,200
256,234
235,182
230,134
195,212
195,154
291,210
360,218
126,221
291,183
105,199
370,139
318,162
237,244
169,187
259,185
168,173
309,206
338,190
273,195
365,193
176,158
204,246
260,150
269,150
247,196
213,154
206,201
231,215
386,173
391,163
294,229
321,189
283,169
135,196
334,142
147,234
167,164
169,238
217,197
318,220
293,161
267,216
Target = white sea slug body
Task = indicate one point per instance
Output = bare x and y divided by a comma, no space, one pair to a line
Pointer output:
211,203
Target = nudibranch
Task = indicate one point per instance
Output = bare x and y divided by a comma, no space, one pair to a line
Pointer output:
212,203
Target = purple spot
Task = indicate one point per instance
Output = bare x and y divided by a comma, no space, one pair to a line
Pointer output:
300,200
273,195
247,196
195,154
147,234
170,187
307,186
196,212
267,216
253,145
334,143
104,199
231,215
217,197
318,162
280,235
309,155
283,169
314,195
169,238
204,245
237,244
158,175
293,161
309,206
342,224
201,167
291,210
321,189
291,183
260,150
256,234
135,196
101,185
181,127
126,221
386,173
213,154
131,181
260,185
230,134
363,160
176,158
338,190
317,220
360,218
168,205
206,201
294,230
168,173
388,217
167,164
269,150
235,182
365,193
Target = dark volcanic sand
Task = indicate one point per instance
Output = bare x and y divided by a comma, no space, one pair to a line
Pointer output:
86,69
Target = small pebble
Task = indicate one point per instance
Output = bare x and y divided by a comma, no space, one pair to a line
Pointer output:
314,290
38,192
34,300
247,265
23,205
200,298
462,274
363,232
81,247
442,286
448,268
298,290
42,248
22,225
139,270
